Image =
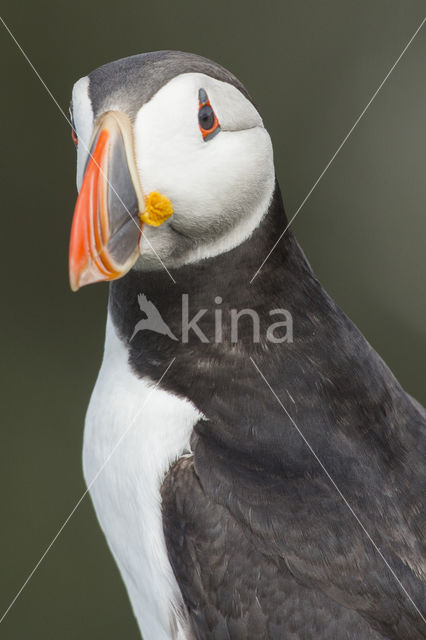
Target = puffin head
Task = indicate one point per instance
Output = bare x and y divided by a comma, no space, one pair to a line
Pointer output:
174,165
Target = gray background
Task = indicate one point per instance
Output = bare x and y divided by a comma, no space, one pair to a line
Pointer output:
311,66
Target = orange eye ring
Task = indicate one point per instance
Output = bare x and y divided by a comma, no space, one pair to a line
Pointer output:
74,136
207,119
73,131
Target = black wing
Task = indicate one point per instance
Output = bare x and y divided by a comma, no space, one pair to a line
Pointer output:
266,550
234,591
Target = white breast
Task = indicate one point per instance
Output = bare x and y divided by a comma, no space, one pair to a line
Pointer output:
126,493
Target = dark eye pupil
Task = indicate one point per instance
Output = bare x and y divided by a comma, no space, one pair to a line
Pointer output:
206,117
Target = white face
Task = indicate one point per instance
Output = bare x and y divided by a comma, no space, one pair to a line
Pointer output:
220,188
83,121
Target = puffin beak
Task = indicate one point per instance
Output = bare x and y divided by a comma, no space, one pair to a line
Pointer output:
106,227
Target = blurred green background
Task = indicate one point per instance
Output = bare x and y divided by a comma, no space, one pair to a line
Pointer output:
311,67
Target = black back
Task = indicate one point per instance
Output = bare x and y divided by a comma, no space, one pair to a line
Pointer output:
262,544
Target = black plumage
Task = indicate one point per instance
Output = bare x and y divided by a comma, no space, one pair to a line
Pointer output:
261,543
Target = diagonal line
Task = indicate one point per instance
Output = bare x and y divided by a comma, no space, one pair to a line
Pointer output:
89,486
81,142
339,148
339,492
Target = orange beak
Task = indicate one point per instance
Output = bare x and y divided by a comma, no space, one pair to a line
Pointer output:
106,227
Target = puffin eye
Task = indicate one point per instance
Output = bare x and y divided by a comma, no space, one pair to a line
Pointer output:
73,130
207,119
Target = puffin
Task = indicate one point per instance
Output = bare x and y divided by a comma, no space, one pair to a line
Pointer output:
255,466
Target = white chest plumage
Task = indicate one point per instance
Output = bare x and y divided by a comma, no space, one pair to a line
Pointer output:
152,428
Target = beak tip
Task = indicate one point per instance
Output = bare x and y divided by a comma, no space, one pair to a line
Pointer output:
87,274
74,284
74,277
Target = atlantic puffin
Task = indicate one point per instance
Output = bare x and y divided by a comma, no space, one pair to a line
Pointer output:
226,521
